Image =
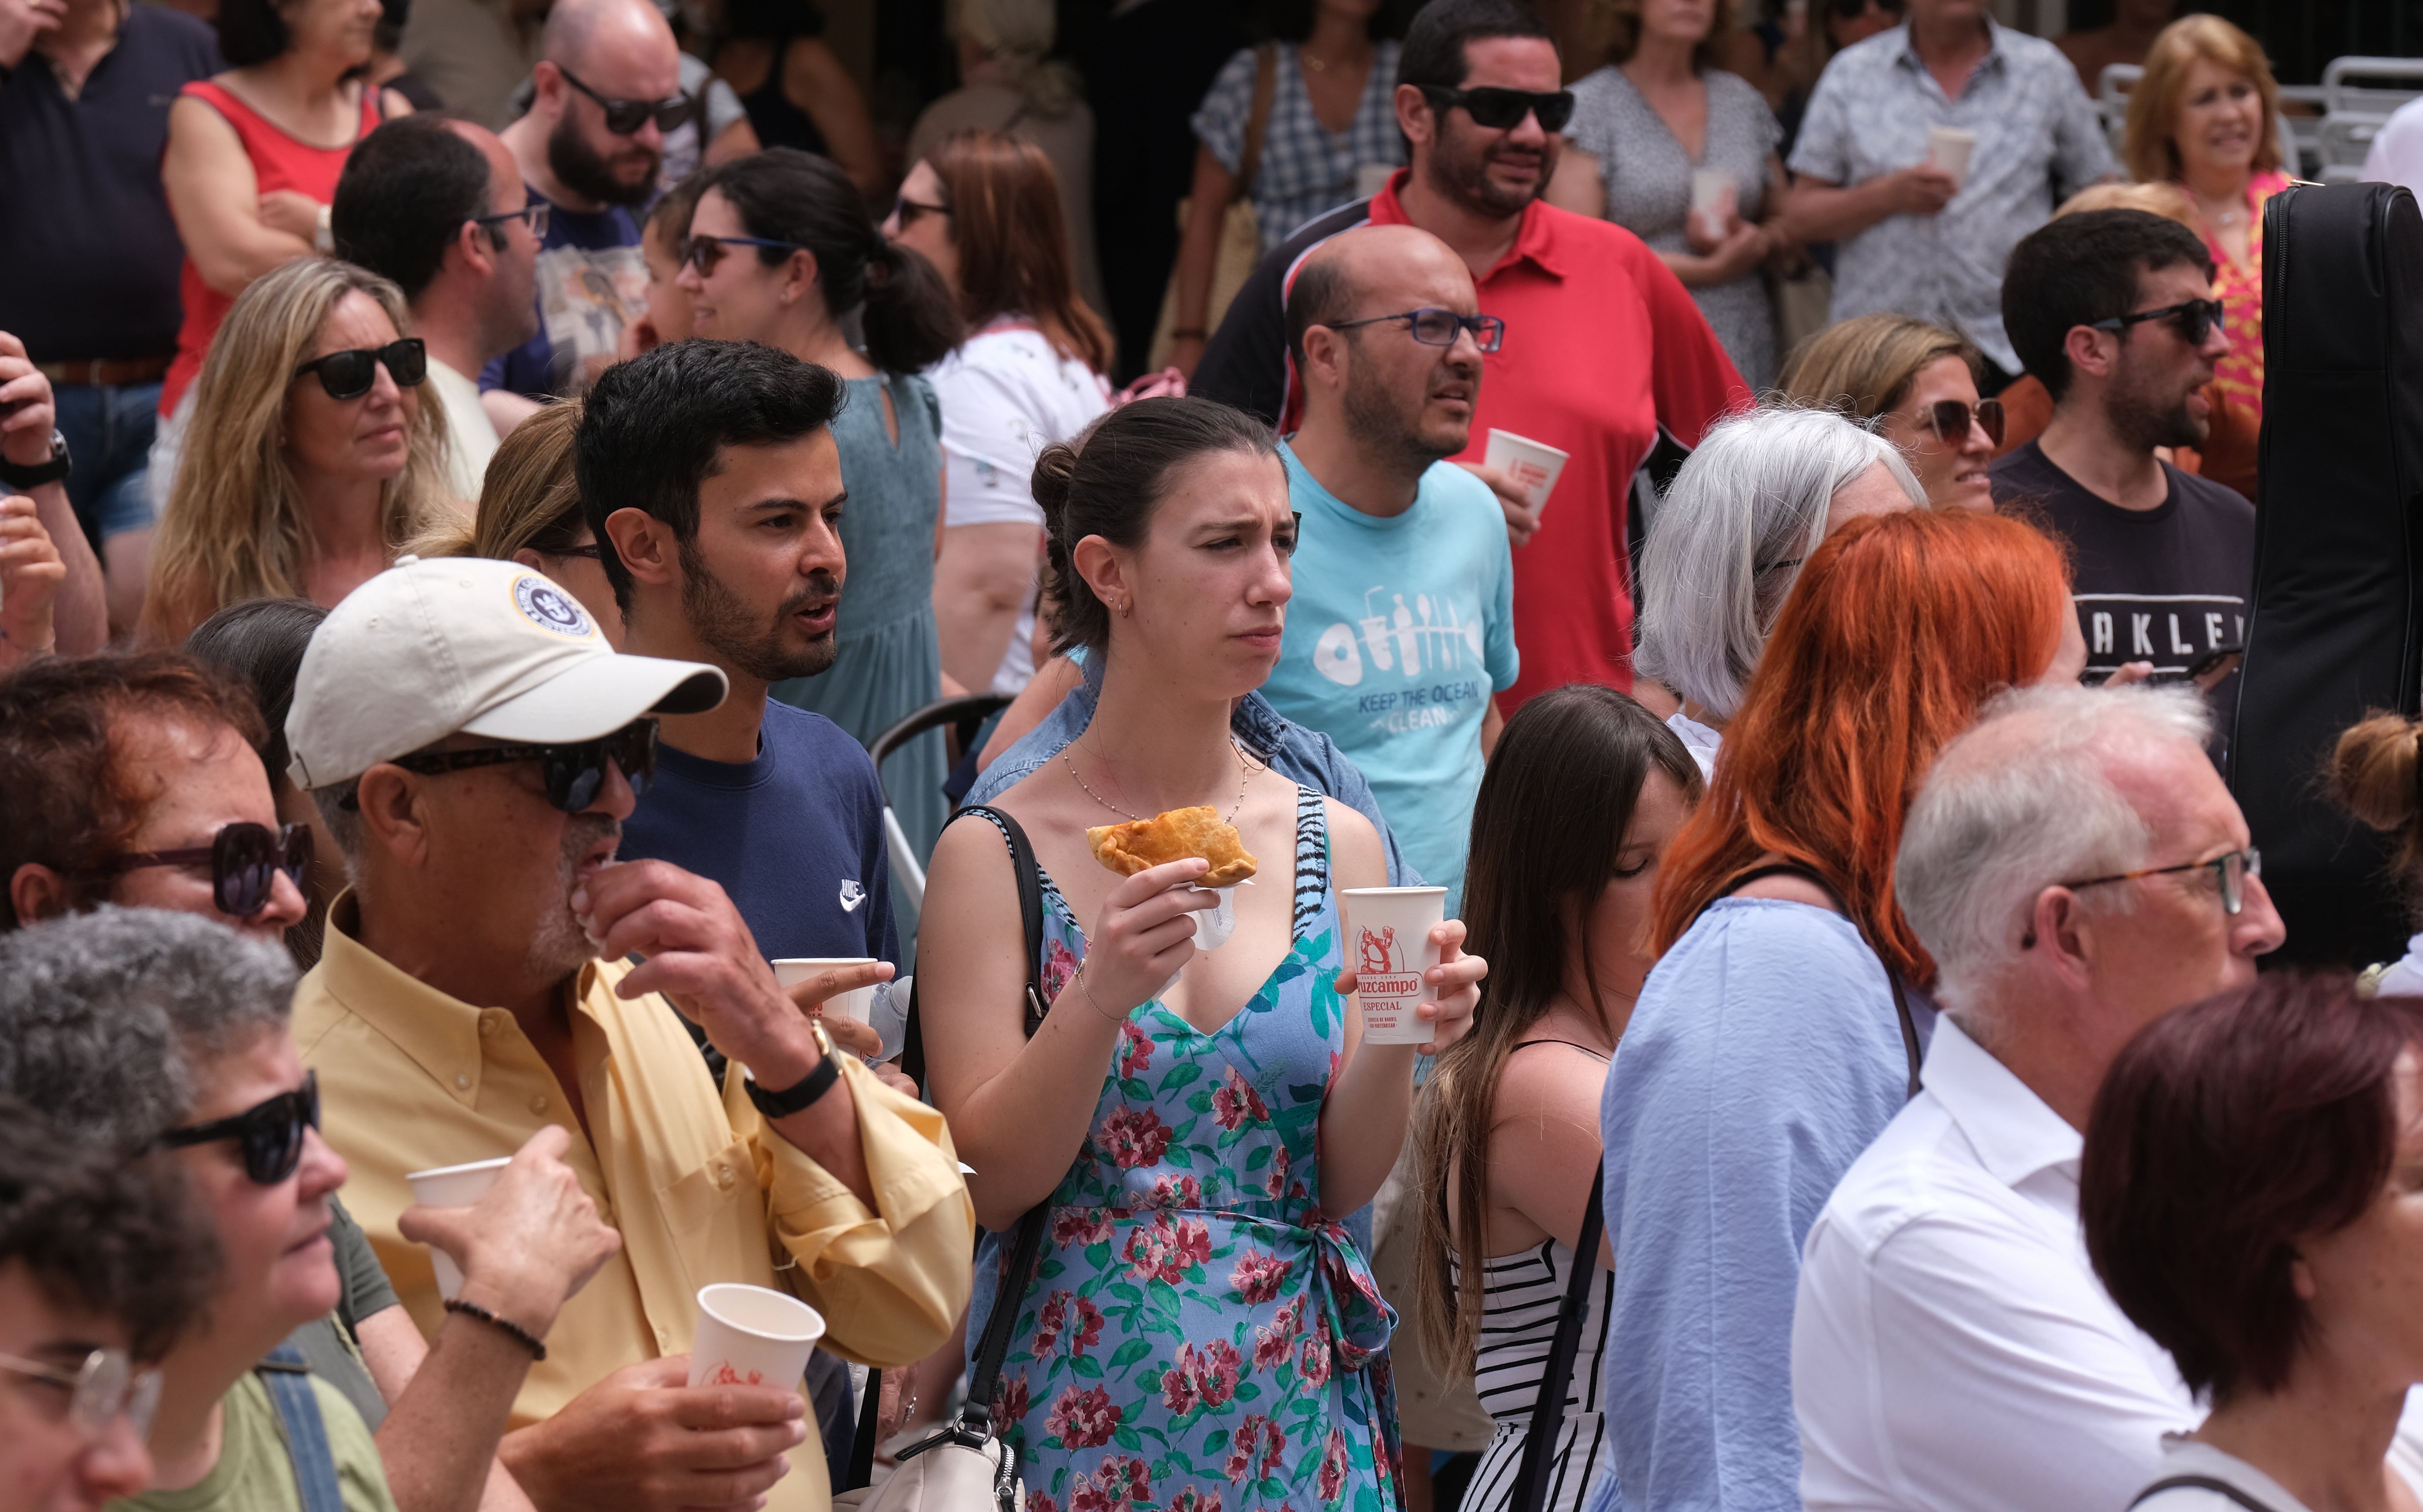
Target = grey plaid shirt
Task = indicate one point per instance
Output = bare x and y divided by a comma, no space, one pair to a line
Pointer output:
2038,142
1307,169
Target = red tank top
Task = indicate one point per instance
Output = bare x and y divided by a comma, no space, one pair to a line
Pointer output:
279,162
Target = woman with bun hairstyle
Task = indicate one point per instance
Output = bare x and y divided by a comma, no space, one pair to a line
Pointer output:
780,251
1200,1326
2374,778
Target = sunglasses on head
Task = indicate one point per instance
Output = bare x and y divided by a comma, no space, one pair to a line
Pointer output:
1502,110
244,859
576,772
2195,317
705,252
271,1132
625,117
1949,418
348,374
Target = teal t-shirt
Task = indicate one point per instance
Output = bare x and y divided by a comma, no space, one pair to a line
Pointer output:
1400,631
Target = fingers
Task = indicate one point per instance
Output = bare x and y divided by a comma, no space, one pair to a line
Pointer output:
897,1079
832,983
1155,880
2130,673
716,1408
855,1036
548,1144
651,1374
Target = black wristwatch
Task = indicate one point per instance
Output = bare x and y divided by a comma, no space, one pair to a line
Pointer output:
26,479
798,1097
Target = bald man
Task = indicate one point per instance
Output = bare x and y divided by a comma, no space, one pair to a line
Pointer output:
1403,622
607,89
439,207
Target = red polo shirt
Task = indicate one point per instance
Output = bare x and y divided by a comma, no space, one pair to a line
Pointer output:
1603,345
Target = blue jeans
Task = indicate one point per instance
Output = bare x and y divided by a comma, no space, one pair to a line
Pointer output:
109,436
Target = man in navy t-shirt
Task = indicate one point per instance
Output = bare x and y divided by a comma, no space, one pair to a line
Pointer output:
711,479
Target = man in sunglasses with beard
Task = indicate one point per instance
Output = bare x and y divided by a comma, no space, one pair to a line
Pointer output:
609,88
2113,311
1605,347
476,746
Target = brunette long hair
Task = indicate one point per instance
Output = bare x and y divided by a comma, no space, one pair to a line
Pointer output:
1901,626
1013,242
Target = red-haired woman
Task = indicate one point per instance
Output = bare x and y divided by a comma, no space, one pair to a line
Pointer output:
985,210
1781,1029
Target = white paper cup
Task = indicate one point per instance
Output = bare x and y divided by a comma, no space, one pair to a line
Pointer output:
1388,946
750,1337
1714,194
455,1186
854,1004
1948,148
1535,465
1212,926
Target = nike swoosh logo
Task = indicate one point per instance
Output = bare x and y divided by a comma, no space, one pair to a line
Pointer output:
851,895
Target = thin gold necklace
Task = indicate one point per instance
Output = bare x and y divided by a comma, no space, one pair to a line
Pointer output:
1234,744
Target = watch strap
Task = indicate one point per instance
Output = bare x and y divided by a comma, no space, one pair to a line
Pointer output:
21,479
804,1093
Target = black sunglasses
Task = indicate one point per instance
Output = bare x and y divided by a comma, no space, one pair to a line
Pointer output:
1438,327
1502,110
271,1132
625,117
575,772
244,859
1854,9
2195,318
705,252
350,373
1949,418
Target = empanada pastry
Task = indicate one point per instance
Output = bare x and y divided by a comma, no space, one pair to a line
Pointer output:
1130,848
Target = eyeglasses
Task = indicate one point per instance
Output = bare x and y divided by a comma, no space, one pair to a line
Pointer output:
575,772
705,252
2233,869
2195,317
244,859
105,1387
348,374
1438,327
535,212
1949,418
1502,110
625,117
906,211
271,1132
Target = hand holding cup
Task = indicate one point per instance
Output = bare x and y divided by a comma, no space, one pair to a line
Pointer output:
1144,935
528,1242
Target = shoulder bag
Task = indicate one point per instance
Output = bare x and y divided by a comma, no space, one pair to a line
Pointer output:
1240,229
1531,1492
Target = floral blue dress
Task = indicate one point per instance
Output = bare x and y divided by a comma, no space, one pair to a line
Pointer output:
1200,1336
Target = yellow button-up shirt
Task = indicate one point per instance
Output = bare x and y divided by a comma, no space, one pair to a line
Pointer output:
702,1190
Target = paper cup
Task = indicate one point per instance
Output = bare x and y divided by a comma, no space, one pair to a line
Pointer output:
1714,194
854,1004
1535,465
455,1186
1389,945
1948,148
750,1337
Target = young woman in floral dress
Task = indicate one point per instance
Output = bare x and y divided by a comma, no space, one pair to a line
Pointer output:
1200,1333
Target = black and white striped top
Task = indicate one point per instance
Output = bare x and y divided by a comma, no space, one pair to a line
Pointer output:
1522,1294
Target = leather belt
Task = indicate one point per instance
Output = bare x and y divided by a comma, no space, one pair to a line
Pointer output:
107,372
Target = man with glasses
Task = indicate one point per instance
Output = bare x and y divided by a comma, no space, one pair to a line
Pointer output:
97,1283
1605,348
475,746
2076,869
609,88
2113,311
439,207
1402,626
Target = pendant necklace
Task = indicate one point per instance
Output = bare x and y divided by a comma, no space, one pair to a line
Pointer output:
1249,770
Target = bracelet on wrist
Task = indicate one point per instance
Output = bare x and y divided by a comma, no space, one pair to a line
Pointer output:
516,1331
808,1090
1086,988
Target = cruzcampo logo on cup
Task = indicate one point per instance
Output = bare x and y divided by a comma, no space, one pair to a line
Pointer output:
1388,943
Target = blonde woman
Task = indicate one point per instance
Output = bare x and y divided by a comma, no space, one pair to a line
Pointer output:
1919,384
530,513
2206,117
310,459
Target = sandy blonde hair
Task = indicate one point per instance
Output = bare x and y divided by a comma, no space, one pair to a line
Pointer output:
236,527
2372,775
2161,197
1865,365
2147,146
527,499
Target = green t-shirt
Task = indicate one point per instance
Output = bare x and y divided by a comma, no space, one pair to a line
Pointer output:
255,1474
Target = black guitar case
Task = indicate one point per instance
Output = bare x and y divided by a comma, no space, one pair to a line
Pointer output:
2338,574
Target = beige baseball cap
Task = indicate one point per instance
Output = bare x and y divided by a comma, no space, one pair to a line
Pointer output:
463,644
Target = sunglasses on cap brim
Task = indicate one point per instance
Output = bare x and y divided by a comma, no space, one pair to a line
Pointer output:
575,771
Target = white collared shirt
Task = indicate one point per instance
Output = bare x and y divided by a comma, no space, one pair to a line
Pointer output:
1951,1346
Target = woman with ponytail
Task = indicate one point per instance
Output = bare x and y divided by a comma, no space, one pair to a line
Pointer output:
2374,775
782,252
1585,791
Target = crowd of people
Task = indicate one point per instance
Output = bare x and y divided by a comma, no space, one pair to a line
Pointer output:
485,488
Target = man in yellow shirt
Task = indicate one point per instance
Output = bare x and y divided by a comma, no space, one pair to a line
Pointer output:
474,744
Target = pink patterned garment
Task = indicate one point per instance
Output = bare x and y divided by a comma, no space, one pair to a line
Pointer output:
2239,287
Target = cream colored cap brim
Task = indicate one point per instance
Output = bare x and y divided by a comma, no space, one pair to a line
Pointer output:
598,695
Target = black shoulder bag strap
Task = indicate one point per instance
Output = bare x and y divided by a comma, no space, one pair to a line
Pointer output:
1893,978
1532,1480
1028,1241
2199,1482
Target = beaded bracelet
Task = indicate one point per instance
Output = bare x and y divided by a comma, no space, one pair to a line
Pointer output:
521,1335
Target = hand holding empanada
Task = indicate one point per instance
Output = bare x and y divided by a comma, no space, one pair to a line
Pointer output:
1132,847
